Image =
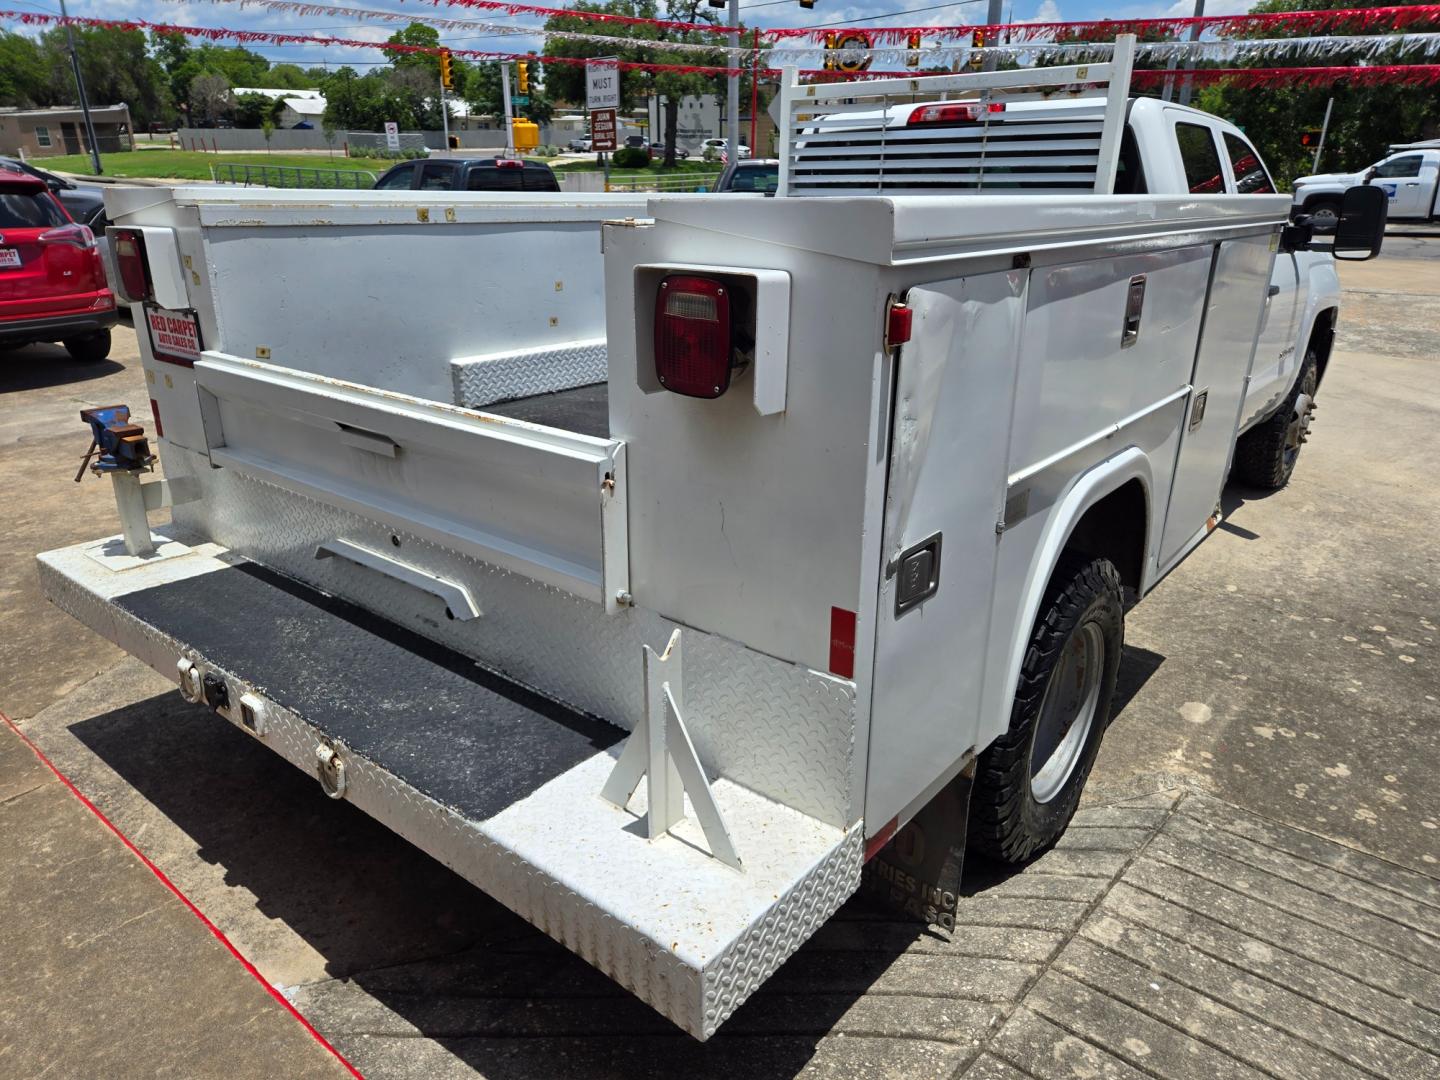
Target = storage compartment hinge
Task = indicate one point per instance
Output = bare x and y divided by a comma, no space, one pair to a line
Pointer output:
660,751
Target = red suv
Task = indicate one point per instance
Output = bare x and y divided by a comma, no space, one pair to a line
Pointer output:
52,280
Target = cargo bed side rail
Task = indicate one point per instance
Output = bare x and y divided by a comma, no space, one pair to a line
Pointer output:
541,502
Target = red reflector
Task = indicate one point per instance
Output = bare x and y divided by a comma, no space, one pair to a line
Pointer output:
954,112
842,643
692,336
877,843
155,412
897,325
129,247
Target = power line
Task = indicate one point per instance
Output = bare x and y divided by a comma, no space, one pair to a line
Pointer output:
892,14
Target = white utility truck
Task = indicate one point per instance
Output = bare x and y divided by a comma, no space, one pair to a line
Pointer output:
657,598
1409,175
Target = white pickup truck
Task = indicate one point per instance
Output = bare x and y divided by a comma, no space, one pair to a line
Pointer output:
666,593
1409,176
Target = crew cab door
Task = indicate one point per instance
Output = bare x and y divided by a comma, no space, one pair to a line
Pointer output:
1400,177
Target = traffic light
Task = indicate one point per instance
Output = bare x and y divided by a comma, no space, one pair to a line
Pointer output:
830,40
447,74
807,4
522,78
1309,138
912,58
977,41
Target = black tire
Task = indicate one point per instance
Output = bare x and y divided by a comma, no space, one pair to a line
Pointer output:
1007,820
1327,211
90,349
1265,456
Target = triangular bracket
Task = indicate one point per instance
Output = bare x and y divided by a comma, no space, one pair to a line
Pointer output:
659,751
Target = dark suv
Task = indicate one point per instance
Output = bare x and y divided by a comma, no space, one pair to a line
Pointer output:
468,174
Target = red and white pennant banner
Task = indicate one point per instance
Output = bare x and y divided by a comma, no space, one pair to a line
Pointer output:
1307,22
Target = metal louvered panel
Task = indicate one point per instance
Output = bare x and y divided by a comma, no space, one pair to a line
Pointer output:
1061,132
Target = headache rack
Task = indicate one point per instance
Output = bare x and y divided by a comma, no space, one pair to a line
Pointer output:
836,138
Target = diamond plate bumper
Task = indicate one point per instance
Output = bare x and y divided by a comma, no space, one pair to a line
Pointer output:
687,934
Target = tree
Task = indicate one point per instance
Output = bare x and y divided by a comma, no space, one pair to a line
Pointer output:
255,110
567,81
1365,119
210,99
482,92
286,77
23,73
117,68
425,37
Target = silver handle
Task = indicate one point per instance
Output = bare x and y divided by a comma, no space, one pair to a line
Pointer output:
458,600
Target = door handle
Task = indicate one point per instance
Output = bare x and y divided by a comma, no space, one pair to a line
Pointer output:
459,601
1274,291
1134,307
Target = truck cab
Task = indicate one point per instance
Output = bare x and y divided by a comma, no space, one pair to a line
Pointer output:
1182,149
1410,178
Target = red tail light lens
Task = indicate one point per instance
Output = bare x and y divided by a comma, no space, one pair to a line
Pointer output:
130,259
692,336
954,112
509,163
75,235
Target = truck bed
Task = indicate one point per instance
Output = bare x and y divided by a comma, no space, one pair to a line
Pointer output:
584,410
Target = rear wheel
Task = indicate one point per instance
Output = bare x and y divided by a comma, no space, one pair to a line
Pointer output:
90,349
1265,455
1029,780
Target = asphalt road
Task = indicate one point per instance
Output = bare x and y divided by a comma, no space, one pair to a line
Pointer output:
1282,682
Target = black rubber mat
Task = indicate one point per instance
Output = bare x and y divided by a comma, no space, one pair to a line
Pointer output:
585,410
431,716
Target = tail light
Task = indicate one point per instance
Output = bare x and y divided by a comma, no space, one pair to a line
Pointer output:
692,336
954,112
134,269
73,234
509,163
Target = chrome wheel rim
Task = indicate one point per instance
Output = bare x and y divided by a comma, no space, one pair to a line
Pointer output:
1067,713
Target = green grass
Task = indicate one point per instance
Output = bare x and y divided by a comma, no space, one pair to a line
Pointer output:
192,165
693,166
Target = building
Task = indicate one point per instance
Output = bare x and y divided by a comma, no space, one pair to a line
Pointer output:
301,106
60,129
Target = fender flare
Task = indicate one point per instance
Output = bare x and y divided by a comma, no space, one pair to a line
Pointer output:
1102,479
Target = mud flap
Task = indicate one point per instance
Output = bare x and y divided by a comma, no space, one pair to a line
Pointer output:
917,874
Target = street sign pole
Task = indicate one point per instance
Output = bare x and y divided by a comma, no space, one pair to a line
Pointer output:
1324,130
732,88
444,113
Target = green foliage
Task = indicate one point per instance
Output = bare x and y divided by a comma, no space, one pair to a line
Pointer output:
24,75
256,110
1365,119
419,34
630,157
396,155
481,89
286,77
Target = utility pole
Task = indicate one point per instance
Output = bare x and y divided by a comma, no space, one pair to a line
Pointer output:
993,15
732,89
1324,130
1189,83
509,124
80,91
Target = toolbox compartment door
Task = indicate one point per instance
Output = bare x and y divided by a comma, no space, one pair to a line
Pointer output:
538,501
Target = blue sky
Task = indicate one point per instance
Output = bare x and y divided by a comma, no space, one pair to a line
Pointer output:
764,13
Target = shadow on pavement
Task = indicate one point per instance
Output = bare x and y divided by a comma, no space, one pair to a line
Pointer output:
34,367
399,928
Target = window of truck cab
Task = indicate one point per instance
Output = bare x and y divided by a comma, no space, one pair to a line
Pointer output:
1199,158
1397,167
1251,176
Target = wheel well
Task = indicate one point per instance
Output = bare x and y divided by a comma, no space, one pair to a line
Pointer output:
1115,529
1322,340
1323,196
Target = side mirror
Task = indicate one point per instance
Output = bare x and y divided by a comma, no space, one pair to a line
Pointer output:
1362,223
1369,175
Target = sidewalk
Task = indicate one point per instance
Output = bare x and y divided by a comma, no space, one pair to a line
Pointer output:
105,971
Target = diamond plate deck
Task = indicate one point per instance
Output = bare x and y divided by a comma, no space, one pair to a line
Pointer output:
687,934
484,380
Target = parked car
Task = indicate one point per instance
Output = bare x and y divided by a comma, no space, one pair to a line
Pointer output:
469,174
52,281
657,150
581,145
719,150
85,203
1410,180
758,175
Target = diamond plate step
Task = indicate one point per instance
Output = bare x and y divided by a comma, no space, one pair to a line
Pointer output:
498,783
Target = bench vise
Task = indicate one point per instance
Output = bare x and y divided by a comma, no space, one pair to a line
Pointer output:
121,444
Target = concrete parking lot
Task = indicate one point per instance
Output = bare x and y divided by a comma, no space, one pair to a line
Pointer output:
1252,887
